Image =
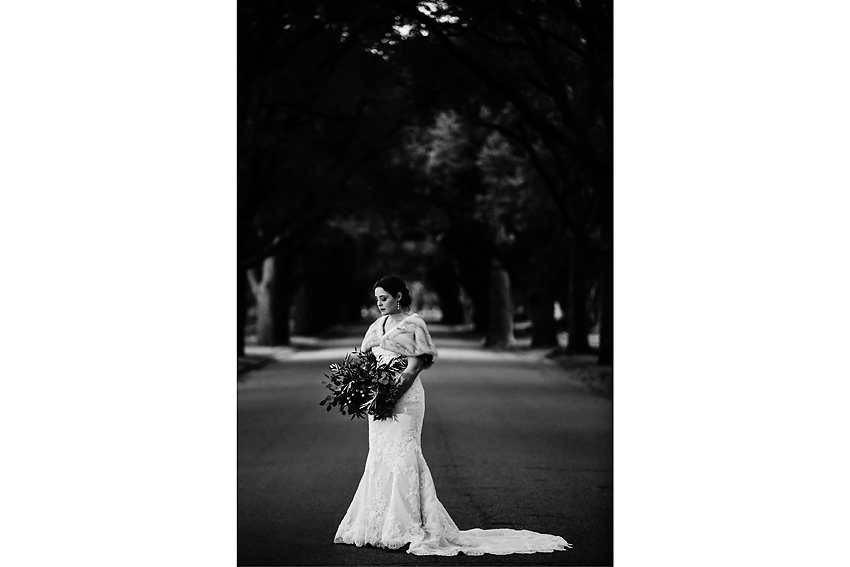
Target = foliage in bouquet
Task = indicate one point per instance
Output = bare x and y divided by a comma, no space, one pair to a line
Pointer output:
361,385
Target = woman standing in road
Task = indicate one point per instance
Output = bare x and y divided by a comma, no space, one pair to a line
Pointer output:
396,503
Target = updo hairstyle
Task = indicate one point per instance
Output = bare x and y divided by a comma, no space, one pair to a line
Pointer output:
395,285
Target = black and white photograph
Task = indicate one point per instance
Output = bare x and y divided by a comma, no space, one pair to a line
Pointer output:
427,222
425,213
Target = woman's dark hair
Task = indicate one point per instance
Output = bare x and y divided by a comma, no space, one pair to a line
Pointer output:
394,285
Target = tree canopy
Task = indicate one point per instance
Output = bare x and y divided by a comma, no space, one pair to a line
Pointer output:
467,144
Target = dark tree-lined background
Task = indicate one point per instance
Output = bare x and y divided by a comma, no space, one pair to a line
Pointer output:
466,146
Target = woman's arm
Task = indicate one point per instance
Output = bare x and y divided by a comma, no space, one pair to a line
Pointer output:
414,367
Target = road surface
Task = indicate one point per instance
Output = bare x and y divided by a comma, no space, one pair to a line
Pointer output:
511,441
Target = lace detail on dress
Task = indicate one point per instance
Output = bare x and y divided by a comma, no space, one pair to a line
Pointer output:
396,501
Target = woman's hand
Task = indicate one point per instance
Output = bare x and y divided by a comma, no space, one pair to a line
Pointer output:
414,367
405,382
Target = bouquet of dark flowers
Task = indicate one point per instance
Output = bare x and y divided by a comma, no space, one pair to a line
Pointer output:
361,385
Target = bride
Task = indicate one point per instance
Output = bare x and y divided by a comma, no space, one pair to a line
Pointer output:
396,502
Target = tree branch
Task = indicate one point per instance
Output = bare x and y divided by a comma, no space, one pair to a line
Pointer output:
583,158
537,163
255,285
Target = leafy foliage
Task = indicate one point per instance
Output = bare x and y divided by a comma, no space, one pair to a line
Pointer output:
437,136
361,385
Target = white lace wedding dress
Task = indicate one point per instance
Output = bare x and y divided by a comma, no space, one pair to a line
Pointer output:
396,502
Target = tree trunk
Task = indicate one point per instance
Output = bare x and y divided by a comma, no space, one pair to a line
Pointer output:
273,294
299,312
310,311
449,294
476,284
473,271
543,332
443,278
606,325
501,331
281,306
263,291
578,327
241,309
480,310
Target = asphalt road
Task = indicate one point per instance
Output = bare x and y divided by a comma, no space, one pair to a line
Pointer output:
510,441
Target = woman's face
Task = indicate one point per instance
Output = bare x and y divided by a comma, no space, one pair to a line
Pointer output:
385,301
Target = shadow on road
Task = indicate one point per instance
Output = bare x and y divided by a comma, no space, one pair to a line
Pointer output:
454,343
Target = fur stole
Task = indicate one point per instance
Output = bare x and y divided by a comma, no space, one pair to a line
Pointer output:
409,338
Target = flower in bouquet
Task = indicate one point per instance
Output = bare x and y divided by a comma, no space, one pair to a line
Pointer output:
361,385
